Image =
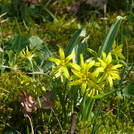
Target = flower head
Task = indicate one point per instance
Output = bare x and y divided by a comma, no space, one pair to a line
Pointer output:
110,71
117,51
62,64
28,55
85,78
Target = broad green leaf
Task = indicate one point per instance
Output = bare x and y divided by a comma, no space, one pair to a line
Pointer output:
35,41
129,90
109,40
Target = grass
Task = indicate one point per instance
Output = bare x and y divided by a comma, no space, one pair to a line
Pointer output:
44,29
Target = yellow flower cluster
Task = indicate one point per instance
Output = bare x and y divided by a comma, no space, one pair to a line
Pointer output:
92,76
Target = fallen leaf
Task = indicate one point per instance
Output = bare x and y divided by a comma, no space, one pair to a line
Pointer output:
27,102
30,105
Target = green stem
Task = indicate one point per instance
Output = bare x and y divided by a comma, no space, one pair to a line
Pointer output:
32,68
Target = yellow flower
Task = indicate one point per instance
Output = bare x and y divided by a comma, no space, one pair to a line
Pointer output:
28,55
85,78
62,64
110,71
117,51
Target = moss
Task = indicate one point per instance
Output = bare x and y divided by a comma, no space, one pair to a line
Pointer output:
55,34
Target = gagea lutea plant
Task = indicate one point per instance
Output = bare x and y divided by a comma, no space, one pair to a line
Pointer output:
92,77
88,80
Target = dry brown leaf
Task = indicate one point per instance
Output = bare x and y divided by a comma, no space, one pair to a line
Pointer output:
30,105
27,102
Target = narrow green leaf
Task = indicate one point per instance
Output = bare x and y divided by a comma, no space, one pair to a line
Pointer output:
80,49
109,40
73,42
90,108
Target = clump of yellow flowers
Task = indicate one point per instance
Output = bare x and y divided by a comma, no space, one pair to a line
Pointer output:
92,76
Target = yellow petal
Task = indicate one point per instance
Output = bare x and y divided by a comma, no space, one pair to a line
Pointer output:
54,60
70,57
102,63
62,78
115,76
62,55
55,70
27,51
85,71
76,73
77,82
95,85
103,77
83,88
109,58
91,64
110,81
23,51
66,73
82,60
104,56
114,44
57,74
74,65
97,71
97,64
116,66
91,93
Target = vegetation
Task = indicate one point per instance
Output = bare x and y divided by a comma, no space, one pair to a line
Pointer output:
66,68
